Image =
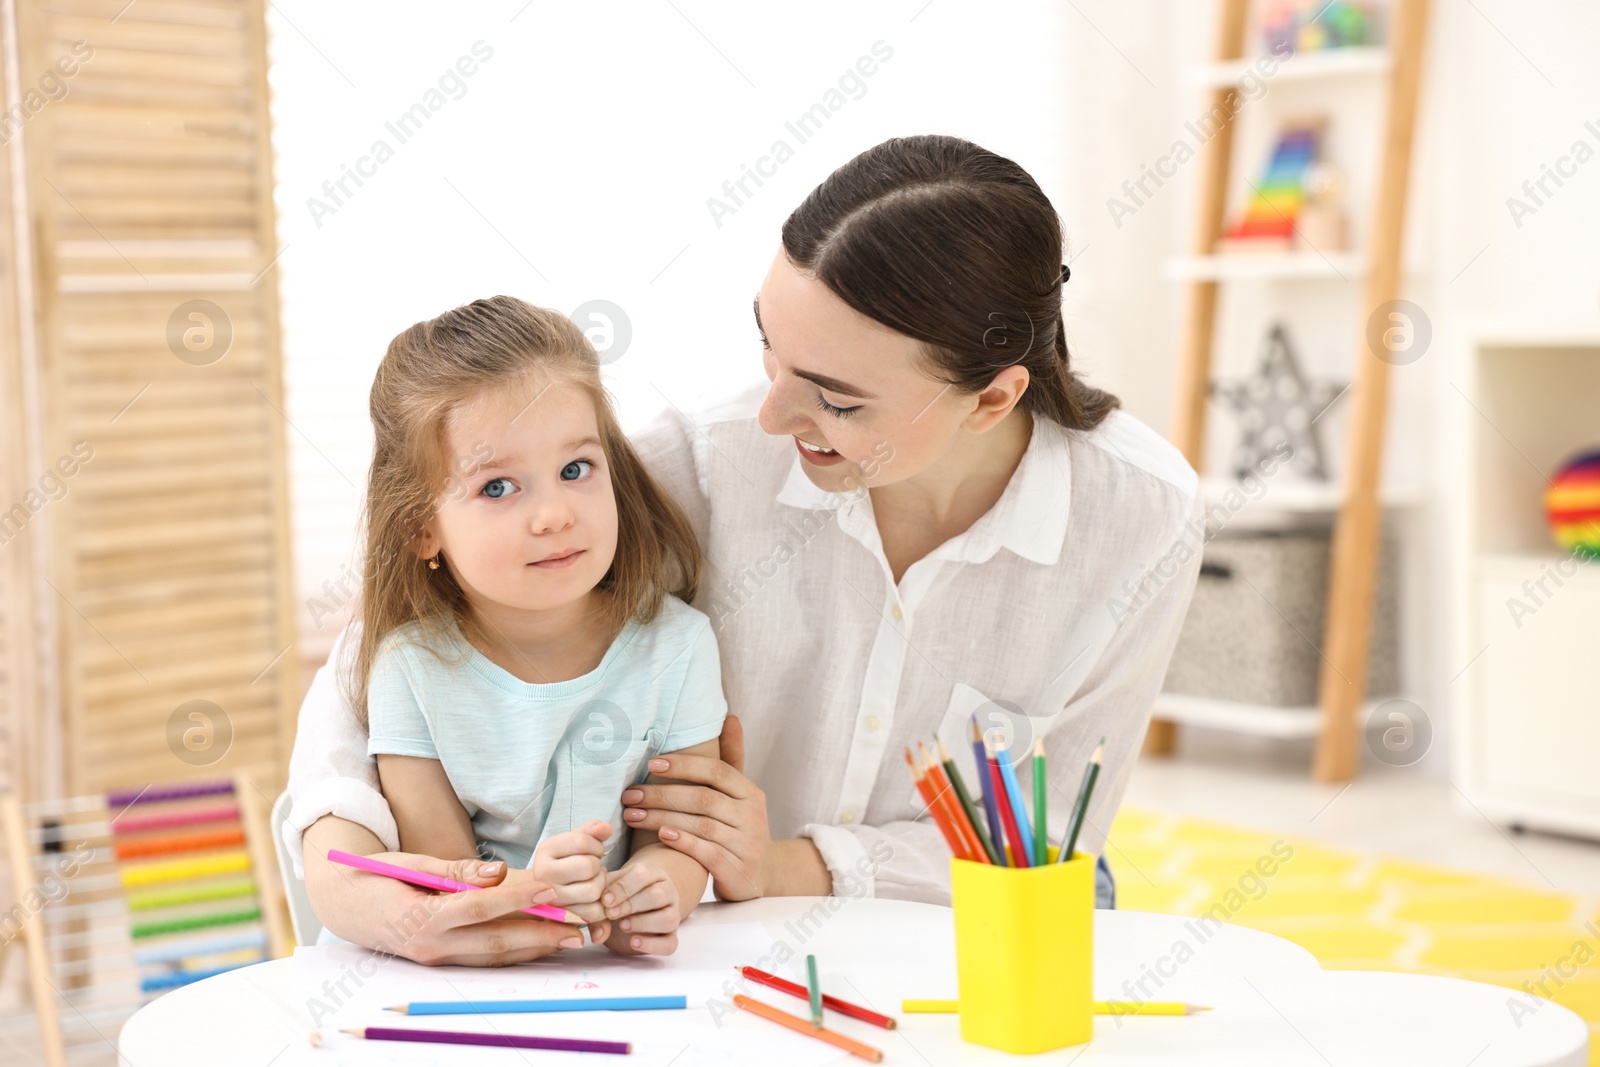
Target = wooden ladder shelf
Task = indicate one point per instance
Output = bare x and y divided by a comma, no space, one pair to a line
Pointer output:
1353,566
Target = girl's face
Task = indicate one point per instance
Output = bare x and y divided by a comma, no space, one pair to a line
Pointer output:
854,394
528,520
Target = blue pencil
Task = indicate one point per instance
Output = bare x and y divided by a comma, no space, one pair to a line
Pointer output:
503,1007
991,813
1014,794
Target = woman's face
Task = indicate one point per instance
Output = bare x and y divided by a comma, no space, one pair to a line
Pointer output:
854,394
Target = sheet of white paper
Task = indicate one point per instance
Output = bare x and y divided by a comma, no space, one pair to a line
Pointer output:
347,987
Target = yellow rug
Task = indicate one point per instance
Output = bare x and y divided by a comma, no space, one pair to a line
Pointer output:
1364,912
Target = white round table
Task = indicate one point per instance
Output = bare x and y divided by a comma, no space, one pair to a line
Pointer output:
1272,1003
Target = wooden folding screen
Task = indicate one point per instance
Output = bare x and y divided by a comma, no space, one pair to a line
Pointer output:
147,610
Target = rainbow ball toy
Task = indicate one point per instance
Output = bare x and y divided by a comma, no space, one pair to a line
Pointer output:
1572,506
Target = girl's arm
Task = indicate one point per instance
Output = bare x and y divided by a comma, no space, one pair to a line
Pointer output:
431,819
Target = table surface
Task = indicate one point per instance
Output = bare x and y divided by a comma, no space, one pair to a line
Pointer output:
1272,1003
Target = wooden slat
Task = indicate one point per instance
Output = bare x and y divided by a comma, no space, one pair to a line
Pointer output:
159,591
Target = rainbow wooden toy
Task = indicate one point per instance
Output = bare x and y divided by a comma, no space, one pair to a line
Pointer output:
1275,201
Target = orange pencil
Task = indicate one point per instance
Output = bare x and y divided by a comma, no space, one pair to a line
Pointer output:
952,807
803,1026
929,798
939,785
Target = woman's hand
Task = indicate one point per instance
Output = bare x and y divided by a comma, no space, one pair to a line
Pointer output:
720,820
481,929
642,900
574,864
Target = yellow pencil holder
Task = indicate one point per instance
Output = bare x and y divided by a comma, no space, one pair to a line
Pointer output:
1025,953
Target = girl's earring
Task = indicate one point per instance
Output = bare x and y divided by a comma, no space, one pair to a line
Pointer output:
433,563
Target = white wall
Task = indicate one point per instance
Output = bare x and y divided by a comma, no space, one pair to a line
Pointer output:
577,165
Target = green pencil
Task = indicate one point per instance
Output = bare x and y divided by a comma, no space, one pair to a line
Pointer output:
815,989
1080,809
1041,839
966,802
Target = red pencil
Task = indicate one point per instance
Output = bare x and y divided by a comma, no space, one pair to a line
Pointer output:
1019,851
952,807
843,1007
924,787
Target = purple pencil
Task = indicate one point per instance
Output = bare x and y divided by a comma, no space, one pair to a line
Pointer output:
458,1037
989,810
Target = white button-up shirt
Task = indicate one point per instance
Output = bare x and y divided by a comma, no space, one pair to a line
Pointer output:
1053,616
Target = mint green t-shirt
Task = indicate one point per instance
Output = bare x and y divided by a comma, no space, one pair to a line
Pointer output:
529,760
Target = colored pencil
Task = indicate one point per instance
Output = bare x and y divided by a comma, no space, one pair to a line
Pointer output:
935,809
457,1037
518,1007
960,787
783,1018
952,806
1080,808
795,989
1019,853
1041,800
1101,1007
814,992
443,885
990,811
1019,811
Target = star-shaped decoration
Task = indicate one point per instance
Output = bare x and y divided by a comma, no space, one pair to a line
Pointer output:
1277,405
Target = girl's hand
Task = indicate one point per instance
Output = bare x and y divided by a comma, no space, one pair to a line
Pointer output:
573,864
641,902
483,929
720,822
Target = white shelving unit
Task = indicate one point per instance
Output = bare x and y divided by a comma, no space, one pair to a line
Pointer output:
1527,618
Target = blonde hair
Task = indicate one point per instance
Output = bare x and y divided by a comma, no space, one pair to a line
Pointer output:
428,372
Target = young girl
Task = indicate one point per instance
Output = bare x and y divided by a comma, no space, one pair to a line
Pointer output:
526,646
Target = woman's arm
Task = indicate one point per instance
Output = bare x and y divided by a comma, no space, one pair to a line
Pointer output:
430,817
481,929
330,772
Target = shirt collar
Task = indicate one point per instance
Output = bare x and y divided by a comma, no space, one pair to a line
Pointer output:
1030,518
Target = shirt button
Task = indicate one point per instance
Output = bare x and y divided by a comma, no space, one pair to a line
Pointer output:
848,817
873,723
899,615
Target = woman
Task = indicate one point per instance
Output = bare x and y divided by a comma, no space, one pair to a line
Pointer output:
930,517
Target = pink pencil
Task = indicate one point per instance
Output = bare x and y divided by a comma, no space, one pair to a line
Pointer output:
443,885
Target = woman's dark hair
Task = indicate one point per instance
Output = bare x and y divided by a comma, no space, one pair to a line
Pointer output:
946,242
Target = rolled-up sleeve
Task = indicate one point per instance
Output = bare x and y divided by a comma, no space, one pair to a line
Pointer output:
330,772
902,860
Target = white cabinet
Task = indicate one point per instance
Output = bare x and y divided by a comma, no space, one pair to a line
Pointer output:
1527,738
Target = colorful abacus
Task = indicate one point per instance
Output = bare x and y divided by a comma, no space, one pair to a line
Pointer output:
126,896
